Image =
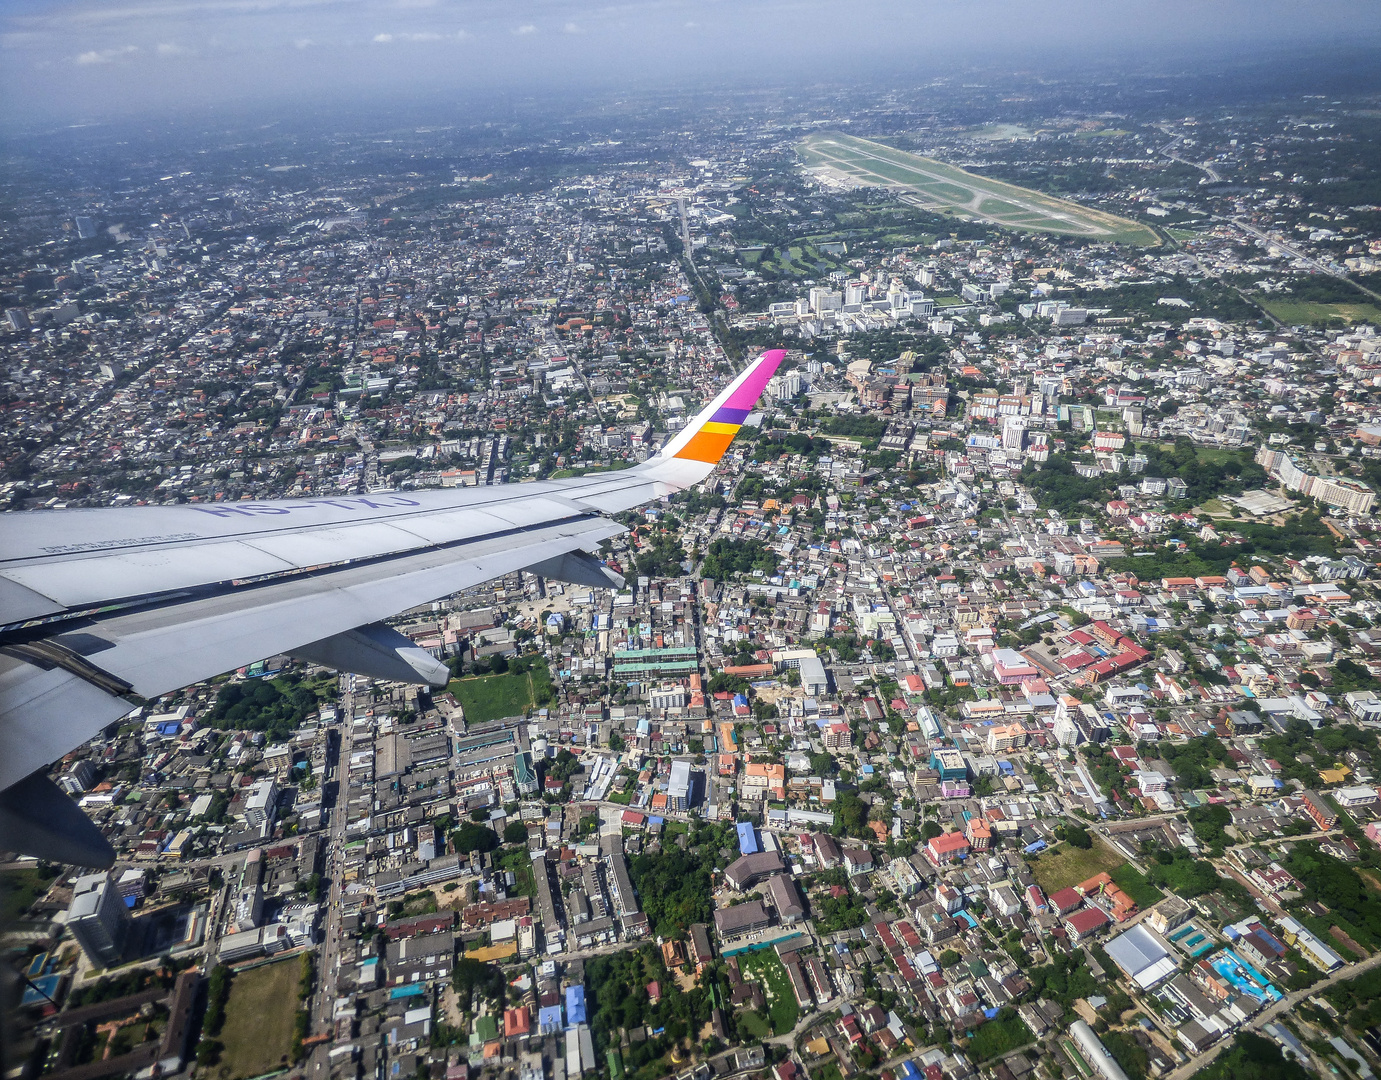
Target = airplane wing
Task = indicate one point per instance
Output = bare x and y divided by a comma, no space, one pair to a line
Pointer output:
99,606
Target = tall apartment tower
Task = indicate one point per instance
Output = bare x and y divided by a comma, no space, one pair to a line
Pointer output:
98,918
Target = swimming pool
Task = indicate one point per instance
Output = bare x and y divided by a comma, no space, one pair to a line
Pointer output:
1192,940
1245,978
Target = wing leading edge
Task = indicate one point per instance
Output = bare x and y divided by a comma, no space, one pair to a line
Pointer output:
97,606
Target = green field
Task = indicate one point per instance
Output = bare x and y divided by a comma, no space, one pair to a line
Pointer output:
1308,312
493,697
259,1020
998,1037
754,1024
763,966
18,890
948,189
1133,882
1066,865
520,862
803,259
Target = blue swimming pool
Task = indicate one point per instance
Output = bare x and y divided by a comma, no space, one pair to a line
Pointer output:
1243,977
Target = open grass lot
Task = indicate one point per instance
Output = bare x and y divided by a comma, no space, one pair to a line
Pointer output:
1308,312
18,890
493,697
1065,865
259,1019
998,1037
520,862
949,189
764,967
754,1024
1133,882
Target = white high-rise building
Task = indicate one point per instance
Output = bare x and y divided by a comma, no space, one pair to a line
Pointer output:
98,918
261,803
823,300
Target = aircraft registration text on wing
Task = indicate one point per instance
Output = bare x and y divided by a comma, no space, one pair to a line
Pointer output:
99,607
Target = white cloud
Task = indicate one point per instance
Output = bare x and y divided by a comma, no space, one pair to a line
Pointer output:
106,56
526,28
419,35
303,43
572,28
168,48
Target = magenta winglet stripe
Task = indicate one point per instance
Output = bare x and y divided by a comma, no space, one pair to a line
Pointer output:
746,396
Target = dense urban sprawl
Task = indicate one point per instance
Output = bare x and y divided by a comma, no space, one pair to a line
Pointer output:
1006,704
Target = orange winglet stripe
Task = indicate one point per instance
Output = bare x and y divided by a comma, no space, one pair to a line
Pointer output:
707,446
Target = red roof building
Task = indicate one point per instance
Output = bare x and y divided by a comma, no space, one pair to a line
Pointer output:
1083,924
516,1023
946,848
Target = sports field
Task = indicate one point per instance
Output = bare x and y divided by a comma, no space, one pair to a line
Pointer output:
933,185
1307,312
259,1019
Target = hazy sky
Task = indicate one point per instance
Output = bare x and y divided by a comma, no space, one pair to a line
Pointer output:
83,59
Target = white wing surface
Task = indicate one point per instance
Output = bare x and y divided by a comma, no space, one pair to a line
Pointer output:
98,606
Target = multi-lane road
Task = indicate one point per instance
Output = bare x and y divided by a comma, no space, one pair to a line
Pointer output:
1284,1005
333,876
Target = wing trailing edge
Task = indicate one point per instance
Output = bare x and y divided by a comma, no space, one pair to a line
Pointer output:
98,606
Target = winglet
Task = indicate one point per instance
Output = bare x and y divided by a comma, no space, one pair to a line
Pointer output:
707,437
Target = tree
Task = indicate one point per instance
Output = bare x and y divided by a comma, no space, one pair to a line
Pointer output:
515,832
217,991
1078,836
1253,1058
472,977
473,837
823,764
851,816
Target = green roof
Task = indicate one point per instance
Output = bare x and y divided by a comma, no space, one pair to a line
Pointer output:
655,665
673,653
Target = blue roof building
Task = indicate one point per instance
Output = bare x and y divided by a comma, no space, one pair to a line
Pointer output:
575,1005
549,1020
747,839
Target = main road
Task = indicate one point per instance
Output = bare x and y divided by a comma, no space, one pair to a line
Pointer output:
333,873
1296,253
1284,1005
